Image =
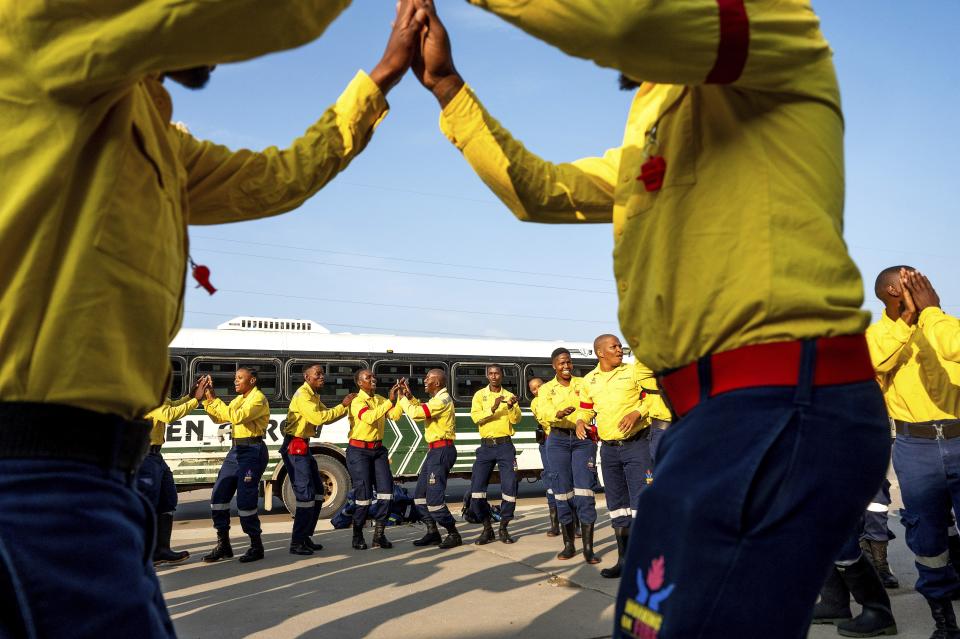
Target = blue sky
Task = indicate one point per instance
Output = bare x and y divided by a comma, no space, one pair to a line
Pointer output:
408,240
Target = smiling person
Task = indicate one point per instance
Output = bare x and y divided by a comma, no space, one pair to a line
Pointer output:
368,462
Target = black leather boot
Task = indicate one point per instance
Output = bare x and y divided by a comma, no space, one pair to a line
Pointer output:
300,548
503,534
254,552
222,550
569,550
876,552
554,522
432,536
834,604
163,554
587,531
312,545
358,541
623,536
453,539
379,538
864,584
945,620
577,532
487,535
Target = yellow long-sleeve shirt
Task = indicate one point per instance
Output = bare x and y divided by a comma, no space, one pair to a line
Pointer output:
539,410
942,331
742,244
98,187
919,381
169,411
307,413
249,414
438,414
492,423
652,400
368,414
611,395
556,397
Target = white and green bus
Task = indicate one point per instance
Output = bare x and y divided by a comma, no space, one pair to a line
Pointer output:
281,348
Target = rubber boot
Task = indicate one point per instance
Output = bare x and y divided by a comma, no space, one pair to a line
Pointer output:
878,556
453,539
554,522
945,620
588,556
503,534
577,532
254,552
379,538
623,536
312,545
487,535
432,536
569,550
300,548
864,584
222,550
163,554
953,546
834,604
358,541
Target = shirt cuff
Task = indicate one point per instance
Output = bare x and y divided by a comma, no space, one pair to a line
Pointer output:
363,101
463,117
929,314
192,403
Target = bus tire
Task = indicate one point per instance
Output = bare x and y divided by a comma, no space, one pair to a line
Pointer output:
336,485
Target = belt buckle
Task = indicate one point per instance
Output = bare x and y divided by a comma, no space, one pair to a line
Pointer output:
939,429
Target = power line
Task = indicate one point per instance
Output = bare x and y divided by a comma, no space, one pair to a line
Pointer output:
395,272
403,259
414,308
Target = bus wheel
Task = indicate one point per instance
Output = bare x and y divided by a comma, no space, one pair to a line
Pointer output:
336,485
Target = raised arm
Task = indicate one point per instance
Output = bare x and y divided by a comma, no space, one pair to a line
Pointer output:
318,414
419,412
236,412
172,411
514,414
885,342
370,416
942,331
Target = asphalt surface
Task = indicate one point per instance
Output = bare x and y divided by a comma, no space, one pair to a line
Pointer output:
470,592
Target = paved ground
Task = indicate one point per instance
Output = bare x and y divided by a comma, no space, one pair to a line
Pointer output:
471,592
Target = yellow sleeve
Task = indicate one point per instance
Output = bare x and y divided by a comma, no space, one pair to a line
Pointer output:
81,50
369,416
885,344
478,413
639,374
538,408
412,408
757,44
318,414
173,411
532,188
514,414
586,411
237,412
229,186
942,331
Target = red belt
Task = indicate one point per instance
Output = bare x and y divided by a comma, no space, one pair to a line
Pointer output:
838,360
359,443
440,443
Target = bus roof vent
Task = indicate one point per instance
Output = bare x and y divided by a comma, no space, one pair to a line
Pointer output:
274,324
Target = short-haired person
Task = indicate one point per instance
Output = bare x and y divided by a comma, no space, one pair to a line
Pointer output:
543,432
439,418
368,461
495,411
305,417
915,348
249,414
155,479
725,196
571,455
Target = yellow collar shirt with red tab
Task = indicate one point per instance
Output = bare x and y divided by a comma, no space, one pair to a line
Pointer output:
307,413
741,241
492,423
438,414
557,397
919,380
540,410
609,396
99,187
170,411
367,416
249,414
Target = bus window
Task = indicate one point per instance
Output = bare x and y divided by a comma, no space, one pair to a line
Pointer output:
388,372
222,370
469,377
338,378
178,385
546,373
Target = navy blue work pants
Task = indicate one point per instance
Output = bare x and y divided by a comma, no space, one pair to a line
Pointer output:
573,475
504,457
430,494
625,467
76,553
240,475
369,468
657,429
155,482
307,489
756,492
545,475
929,474
875,520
